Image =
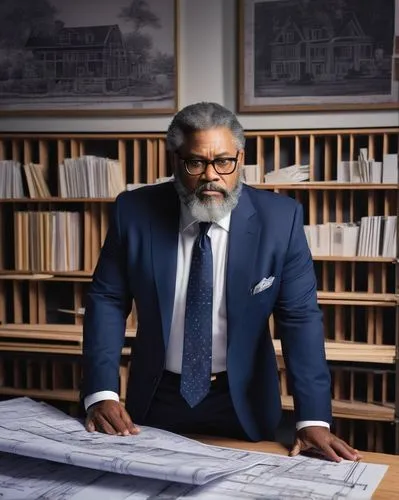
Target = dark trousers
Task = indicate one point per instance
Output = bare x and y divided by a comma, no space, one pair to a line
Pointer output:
214,415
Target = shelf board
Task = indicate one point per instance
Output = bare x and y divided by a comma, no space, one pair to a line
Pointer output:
339,258
53,338
53,394
81,276
48,329
358,298
55,199
352,351
314,185
34,348
353,409
328,185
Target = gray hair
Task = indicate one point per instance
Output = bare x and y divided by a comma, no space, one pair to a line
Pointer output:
202,116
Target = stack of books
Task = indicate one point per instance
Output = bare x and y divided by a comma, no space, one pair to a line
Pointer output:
375,236
367,170
378,236
47,241
90,177
37,185
11,185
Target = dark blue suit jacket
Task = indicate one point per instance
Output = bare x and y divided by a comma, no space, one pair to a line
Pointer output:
138,260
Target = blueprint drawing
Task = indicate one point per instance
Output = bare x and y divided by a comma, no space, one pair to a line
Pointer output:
279,477
37,430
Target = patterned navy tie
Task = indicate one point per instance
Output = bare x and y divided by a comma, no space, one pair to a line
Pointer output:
197,351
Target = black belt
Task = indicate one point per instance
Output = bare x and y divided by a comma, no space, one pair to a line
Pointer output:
215,377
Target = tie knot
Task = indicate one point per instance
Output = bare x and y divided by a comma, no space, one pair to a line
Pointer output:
204,228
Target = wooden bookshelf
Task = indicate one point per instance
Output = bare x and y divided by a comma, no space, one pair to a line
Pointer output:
40,310
353,410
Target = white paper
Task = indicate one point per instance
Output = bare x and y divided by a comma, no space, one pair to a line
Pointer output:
40,431
280,477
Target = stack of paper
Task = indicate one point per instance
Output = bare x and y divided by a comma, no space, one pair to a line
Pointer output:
11,185
47,241
159,180
318,237
90,177
251,174
376,236
288,175
368,170
155,465
37,185
390,169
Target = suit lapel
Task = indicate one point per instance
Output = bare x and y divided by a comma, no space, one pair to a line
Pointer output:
243,246
165,234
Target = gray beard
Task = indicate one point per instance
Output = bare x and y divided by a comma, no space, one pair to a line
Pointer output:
208,210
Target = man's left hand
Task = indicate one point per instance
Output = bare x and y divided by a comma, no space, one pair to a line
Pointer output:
321,441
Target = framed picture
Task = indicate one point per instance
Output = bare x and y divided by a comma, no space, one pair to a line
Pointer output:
298,55
88,57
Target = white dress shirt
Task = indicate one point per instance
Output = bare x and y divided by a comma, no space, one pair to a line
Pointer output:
219,235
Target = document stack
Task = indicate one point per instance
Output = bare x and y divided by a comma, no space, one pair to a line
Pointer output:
159,180
37,186
375,236
338,239
47,241
366,170
11,185
378,236
252,174
288,175
90,177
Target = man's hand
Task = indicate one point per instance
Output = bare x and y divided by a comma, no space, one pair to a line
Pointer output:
321,441
110,417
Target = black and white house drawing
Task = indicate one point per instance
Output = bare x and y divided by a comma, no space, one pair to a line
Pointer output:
318,51
86,55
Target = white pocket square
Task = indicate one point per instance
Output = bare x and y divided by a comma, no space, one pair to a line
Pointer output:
262,285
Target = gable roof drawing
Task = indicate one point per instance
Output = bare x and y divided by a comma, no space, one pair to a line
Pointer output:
74,37
344,27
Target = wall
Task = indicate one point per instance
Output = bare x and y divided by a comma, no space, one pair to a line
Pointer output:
207,71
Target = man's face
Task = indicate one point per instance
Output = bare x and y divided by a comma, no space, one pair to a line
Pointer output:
209,195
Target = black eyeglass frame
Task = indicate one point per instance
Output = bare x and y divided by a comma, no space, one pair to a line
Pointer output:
234,160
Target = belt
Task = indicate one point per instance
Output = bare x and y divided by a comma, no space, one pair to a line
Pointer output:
215,377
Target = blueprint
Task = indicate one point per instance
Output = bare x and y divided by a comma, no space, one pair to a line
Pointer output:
278,477
40,431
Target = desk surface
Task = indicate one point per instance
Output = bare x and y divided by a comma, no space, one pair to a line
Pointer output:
388,488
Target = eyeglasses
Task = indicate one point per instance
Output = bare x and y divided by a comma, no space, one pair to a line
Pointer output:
223,165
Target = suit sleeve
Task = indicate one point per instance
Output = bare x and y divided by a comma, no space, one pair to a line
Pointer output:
108,303
300,326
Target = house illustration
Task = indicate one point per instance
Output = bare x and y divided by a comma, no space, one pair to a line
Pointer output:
89,57
320,49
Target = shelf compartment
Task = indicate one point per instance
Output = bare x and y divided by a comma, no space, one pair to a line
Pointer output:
353,352
352,410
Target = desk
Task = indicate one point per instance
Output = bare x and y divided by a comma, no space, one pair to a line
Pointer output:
388,489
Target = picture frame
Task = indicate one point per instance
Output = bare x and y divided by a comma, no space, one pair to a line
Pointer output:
84,57
317,55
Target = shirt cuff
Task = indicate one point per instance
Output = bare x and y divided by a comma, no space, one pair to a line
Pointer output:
309,423
96,397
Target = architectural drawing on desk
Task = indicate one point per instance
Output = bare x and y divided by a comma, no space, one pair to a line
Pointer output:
39,431
279,477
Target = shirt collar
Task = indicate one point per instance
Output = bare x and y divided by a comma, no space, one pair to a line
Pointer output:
187,220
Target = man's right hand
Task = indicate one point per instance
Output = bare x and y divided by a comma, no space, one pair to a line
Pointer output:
110,417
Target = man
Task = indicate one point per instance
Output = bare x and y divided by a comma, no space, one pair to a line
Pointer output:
207,260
